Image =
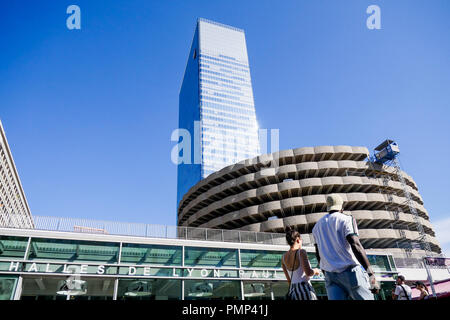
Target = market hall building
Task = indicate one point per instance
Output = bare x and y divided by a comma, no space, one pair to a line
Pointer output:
90,263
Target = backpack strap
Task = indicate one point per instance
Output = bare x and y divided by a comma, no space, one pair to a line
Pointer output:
404,290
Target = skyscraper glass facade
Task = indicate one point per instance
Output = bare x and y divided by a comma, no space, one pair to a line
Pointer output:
217,94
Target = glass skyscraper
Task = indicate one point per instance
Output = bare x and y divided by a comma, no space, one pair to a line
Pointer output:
216,103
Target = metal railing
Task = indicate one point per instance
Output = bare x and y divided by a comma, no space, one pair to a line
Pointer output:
170,232
414,260
142,230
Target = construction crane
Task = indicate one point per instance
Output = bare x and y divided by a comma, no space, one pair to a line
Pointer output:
387,154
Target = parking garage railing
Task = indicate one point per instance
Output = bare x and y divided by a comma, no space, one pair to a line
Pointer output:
169,232
141,230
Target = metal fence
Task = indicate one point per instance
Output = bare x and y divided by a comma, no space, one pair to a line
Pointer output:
168,232
142,230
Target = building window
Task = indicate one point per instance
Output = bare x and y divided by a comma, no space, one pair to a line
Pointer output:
73,250
265,290
211,290
151,254
7,287
67,288
13,247
213,257
261,259
149,289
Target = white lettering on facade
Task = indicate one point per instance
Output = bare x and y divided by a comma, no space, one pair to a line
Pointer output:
33,268
204,273
101,269
131,271
83,268
14,266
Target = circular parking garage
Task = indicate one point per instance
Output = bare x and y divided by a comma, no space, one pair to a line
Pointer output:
289,188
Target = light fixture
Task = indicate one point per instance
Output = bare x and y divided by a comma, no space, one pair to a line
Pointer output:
139,289
201,289
72,287
254,290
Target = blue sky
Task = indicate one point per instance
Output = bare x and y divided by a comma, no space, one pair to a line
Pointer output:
89,113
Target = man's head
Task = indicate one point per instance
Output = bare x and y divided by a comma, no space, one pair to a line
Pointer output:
334,202
400,279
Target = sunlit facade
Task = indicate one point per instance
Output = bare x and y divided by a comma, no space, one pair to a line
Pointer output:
14,209
217,93
48,265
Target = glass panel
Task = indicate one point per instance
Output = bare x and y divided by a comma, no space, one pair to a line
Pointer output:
313,260
319,288
13,247
265,290
257,290
379,263
60,288
217,257
212,290
149,289
7,287
72,250
391,260
150,271
386,289
151,254
210,273
261,259
279,289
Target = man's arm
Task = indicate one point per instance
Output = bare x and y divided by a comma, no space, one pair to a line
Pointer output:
359,252
396,293
317,253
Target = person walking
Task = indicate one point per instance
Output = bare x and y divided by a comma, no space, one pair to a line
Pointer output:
424,294
297,268
402,290
342,256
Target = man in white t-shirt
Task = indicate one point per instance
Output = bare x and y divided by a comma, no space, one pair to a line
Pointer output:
402,291
341,255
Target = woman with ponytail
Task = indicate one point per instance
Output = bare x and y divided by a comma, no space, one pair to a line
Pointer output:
297,268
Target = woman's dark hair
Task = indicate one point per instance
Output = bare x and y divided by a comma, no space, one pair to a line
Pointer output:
421,284
291,235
